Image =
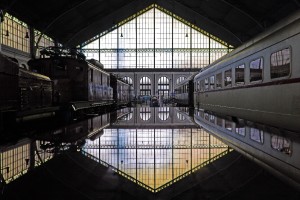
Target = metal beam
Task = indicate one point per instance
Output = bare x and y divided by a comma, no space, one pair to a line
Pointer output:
55,20
201,21
245,14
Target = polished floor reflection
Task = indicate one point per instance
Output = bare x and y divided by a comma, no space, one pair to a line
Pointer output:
155,158
158,150
273,148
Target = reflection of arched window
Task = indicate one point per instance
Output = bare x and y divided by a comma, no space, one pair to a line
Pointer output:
128,117
163,113
128,80
180,116
163,86
145,113
179,79
145,86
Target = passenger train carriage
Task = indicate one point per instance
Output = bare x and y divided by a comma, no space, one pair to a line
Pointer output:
259,81
184,92
270,147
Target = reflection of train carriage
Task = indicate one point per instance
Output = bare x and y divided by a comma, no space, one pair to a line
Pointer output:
24,94
267,146
76,82
74,134
258,81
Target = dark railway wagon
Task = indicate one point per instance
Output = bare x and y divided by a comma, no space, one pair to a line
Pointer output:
122,92
24,94
76,82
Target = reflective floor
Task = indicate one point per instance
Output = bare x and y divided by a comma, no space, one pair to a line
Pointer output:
149,153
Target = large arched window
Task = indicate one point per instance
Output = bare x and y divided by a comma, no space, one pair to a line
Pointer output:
145,113
179,79
128,116
145,86
163,113
180,116
128,80
163,86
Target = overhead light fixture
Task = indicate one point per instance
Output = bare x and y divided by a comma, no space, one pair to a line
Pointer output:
26,35
186,35
7,33
121,35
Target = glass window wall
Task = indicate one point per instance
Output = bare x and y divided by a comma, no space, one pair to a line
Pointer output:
155,38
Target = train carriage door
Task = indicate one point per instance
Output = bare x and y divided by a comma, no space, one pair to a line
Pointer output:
90,84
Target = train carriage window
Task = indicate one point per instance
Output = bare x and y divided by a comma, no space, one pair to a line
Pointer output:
228,125
257,135
220,121
228,78
241,130
240,75
212,82
280,63
219,81
206,116
256,70
281,144
206,84
212,118
202,85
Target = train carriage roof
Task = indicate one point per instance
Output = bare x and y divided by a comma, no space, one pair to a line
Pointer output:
256,43
79,20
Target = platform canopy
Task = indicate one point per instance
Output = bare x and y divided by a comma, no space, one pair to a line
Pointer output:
72,22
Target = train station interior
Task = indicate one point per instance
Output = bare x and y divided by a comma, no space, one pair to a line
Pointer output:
149,99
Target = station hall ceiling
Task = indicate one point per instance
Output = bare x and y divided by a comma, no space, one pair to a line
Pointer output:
72,22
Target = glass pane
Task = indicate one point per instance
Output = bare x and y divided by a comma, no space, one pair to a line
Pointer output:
240,75
280,63
256,70
228,77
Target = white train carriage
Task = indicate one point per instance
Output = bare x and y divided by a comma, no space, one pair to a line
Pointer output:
259,81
